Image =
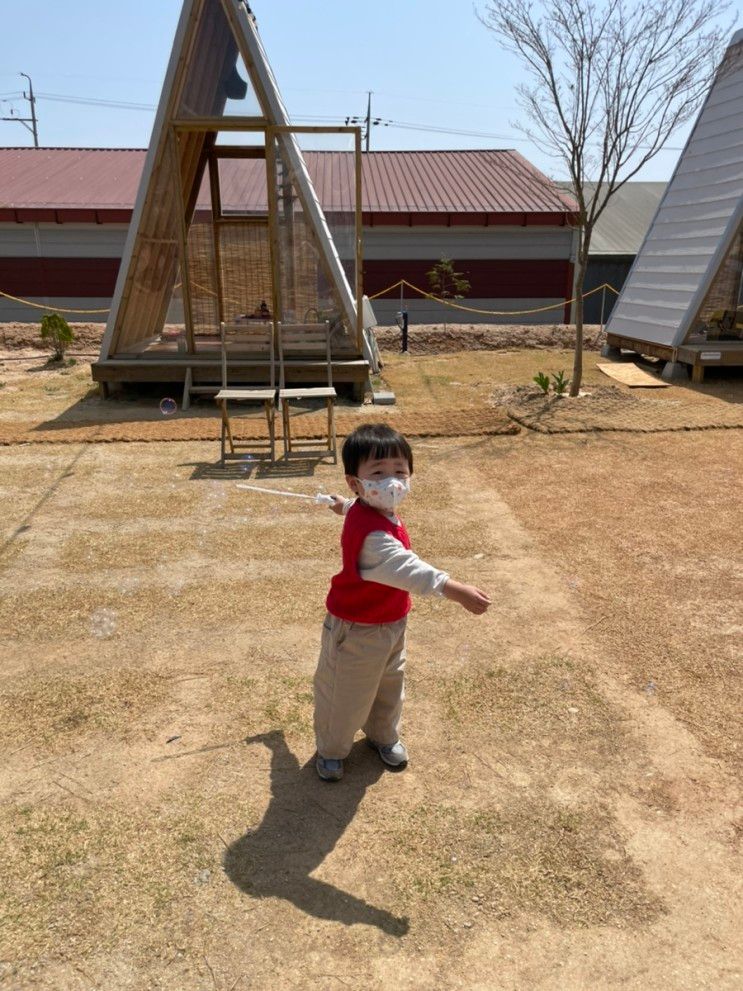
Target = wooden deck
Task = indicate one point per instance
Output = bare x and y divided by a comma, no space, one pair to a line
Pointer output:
698,356
163,362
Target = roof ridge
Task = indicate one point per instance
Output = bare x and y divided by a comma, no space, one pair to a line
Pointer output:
64,148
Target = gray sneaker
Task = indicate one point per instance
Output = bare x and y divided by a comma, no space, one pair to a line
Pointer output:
393,754
328,768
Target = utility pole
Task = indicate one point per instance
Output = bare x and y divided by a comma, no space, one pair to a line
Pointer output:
368,120
34,128
32,100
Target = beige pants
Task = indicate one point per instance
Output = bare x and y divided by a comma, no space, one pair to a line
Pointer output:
359,684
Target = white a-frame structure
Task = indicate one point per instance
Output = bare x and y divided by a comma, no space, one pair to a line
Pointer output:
232,230
683,297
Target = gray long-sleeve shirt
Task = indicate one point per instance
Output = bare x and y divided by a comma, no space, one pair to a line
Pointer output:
383,559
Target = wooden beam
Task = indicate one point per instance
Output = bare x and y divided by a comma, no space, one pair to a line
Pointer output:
216,196
307,129
273,229
359,245
240,151
220,124
183,232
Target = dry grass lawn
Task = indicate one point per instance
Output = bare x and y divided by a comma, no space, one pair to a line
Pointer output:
568,818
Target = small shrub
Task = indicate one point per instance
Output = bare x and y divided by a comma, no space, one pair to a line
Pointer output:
56,334
446,283
543,381
561,383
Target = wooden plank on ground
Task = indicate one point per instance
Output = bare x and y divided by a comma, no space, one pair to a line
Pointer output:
628,373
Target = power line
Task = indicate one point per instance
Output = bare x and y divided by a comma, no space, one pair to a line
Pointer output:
89,101
30,123
367,120
435,129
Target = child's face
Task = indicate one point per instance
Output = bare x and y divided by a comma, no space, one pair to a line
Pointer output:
377,468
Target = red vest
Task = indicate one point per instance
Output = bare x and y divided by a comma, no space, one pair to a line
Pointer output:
350,597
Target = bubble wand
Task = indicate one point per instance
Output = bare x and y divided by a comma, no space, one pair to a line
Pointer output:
320,499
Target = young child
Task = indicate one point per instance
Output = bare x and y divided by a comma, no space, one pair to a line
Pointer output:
359,682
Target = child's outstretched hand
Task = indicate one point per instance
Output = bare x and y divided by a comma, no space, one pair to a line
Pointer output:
338,503
473,599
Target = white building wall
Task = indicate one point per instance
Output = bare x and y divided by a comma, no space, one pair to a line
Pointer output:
11,312
461,243
426,311
62,240
58,241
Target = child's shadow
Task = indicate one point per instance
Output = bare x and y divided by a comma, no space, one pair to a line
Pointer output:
303,822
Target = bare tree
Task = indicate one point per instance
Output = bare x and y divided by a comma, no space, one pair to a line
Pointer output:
609,83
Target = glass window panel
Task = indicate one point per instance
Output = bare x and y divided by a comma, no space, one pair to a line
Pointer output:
308,288
242,182
217,84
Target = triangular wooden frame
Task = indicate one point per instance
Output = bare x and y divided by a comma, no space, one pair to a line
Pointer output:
138,315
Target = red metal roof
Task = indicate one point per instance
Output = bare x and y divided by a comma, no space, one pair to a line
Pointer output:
69,178
458,184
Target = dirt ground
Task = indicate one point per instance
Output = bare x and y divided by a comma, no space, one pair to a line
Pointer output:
423,338
570,816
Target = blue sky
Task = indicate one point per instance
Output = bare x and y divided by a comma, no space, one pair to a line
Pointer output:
429,63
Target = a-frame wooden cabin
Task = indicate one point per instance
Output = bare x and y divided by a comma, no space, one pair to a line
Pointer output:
227,225
683,298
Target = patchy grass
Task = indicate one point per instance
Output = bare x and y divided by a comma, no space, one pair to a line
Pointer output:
87,879
49,387
122,507
53,708
465,380
659,572
229,540
547,697
568,864
291,705
11,552
267,700
436,538
162,609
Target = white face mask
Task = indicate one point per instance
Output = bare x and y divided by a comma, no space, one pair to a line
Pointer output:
385,493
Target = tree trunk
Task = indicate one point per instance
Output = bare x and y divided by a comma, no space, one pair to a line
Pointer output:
575,381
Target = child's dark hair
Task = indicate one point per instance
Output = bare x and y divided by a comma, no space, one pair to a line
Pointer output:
374,440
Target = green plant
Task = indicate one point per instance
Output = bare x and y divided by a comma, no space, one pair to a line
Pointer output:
561,383
56,334
543,381
445,282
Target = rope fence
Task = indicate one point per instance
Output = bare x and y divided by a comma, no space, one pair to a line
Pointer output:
49,309
396,285
496,313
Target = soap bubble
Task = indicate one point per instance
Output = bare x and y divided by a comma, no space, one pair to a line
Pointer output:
246,462
103,623
650,689
168,406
